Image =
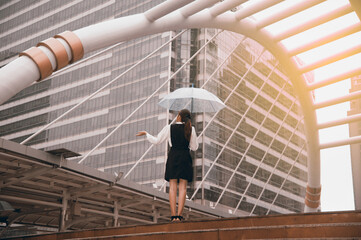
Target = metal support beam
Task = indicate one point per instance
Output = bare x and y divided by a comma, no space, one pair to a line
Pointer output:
156,214
334,79
25,175
196,6
116,214
30,201
36,191
164,8
314,22
330,59
325,39
224,6
346,120
130,203
254,8
334,101
287,12
351,140
88,190
79,220
63,212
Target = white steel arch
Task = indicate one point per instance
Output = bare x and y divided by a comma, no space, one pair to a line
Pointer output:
238,16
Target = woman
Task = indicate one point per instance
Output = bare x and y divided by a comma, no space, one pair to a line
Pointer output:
181,137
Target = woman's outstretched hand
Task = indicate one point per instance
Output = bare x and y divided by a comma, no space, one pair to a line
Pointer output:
141,133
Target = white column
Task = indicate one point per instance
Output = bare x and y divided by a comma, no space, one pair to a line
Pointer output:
63,213
356,168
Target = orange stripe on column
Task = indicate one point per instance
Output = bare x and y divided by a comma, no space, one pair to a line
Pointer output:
75,44
41,60
313,196
313,190
58,50
312,204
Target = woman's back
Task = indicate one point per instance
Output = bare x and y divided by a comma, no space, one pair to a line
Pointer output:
177,137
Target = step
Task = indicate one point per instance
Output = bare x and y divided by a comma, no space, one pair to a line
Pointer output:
308,225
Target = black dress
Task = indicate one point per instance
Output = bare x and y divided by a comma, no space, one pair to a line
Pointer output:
179,162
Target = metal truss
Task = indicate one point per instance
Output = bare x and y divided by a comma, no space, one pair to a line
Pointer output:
49,191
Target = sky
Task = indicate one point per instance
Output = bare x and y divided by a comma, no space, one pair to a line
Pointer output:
336,176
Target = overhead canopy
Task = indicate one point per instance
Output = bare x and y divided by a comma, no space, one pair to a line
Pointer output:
37,188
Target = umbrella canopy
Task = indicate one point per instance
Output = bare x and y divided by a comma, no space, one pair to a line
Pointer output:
194,99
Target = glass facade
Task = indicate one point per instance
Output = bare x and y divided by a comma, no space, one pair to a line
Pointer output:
257,142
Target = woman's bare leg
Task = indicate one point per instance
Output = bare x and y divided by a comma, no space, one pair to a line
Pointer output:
173,196
182,195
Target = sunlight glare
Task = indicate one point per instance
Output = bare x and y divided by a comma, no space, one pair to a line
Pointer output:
308,15
342,66
328,50
249,3
321,31
275,9
336,164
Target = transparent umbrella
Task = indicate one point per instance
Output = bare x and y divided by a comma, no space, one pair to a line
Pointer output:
194,99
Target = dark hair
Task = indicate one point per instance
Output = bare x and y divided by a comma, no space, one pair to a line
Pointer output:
185,115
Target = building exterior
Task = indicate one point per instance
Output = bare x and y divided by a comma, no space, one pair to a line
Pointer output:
355,130
256,143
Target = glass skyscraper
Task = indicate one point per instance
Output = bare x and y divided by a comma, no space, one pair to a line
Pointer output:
255,146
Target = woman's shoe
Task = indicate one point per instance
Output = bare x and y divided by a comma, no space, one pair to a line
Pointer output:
180,218
174,218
